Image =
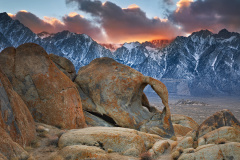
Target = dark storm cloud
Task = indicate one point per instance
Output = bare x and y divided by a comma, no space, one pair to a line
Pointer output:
93,7
72,22
208,14
33,22
78,24
126,24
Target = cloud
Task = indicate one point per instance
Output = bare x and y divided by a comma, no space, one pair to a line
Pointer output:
132,6
168,2
72,22
208,14
78,24
127,24
183,4
33,22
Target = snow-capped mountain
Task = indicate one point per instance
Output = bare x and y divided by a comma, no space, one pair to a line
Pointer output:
79,48
203,63
15,32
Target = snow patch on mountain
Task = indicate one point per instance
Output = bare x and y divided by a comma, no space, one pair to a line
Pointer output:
131,46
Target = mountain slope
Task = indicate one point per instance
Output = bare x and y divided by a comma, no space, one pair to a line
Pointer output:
79,48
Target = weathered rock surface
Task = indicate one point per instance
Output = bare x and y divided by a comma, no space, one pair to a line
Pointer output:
181,130
115,90
186,142
88,152
184,121
93,120
50,95
64,65
217,120
2,157
9,148
222,151
126,141
15,117
81,152
224,133
159,148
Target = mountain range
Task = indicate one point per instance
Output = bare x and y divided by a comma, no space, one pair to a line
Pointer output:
203,63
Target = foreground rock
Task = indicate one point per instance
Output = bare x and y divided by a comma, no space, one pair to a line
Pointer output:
183,124
115,91
218,120
181,130
221,151
184,121
64,65
222,134
10,149
128,142
17,127
50,95
81,152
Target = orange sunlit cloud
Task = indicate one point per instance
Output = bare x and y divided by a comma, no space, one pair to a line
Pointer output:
11,15
23,11
73,14
162,20
183,3
52,20
133,6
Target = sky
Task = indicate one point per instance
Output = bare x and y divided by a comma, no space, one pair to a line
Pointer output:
119,21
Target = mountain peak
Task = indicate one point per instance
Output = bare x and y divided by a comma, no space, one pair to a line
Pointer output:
4,16
224,33
203,33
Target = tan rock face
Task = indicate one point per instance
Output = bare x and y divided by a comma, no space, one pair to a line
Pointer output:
115,90
184,121
50,95
81,152
207,152
226,133
159,147
2,157
64,65
15,117
181,130
218,120
9,148
126,141
186,142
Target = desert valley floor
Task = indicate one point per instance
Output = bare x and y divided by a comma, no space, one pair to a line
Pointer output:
198,108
